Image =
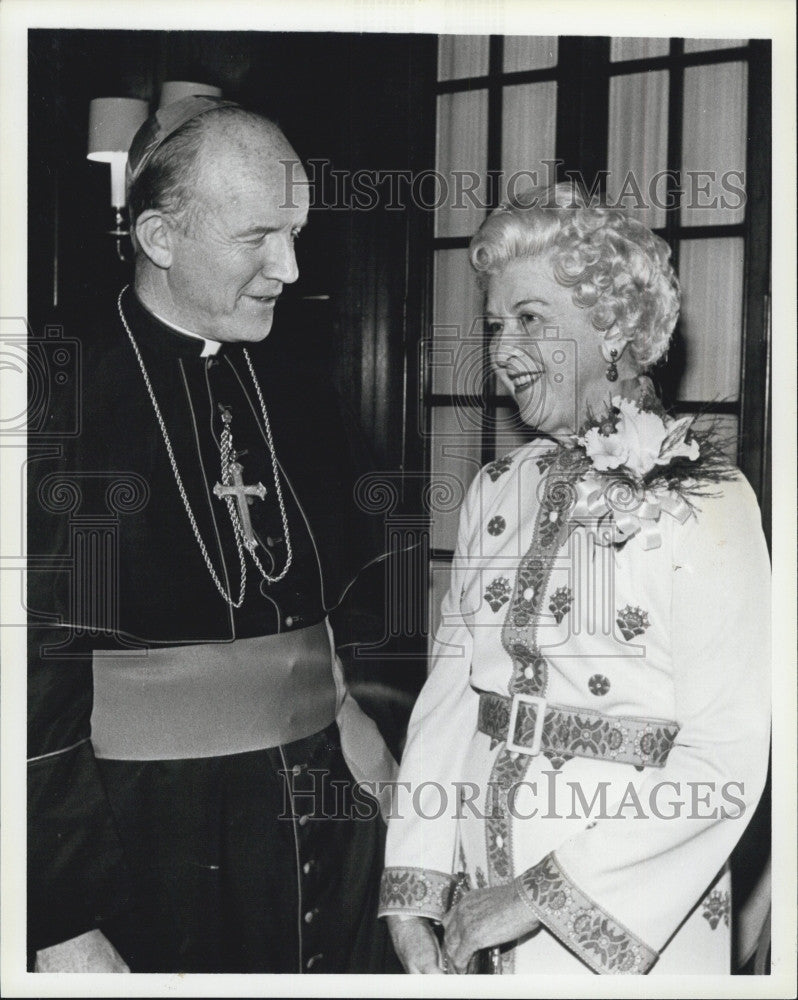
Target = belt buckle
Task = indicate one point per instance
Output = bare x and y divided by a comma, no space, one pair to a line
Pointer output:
530,699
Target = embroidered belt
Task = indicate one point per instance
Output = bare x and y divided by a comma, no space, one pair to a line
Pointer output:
213,699
530,725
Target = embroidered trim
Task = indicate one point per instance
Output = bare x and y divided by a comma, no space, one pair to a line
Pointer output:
423,891
530,669
580,732
499,467
632,621
595,936
599,685
560,603
717,907
497,593
496,525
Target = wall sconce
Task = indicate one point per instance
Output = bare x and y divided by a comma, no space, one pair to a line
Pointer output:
113,122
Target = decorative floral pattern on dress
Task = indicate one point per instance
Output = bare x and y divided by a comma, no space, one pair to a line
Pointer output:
499,467
496,525
498,593
479,878
545,462
560,603
420,890
596,937
632,621
717,907
599,685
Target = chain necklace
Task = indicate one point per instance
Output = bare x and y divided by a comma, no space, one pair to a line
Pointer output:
226,443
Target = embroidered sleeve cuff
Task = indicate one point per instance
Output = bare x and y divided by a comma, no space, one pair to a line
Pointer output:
419,892
596,937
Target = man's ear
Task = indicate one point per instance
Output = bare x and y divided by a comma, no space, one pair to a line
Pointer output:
154,236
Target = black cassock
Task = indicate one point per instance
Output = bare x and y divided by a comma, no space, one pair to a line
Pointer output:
214,862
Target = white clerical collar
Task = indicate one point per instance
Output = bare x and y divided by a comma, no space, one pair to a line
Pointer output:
210,347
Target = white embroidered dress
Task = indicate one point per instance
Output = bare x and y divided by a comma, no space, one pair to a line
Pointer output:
654,666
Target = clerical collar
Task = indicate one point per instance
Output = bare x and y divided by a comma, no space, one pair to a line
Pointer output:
157,335
210,347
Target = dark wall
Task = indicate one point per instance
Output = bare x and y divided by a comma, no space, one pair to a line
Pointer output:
356,101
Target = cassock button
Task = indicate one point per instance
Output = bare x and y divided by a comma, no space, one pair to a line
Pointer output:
292,620
313,960
308,866
296,770
272,540
303,819
310,916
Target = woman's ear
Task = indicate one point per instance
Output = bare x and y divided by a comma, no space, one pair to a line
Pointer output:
154,236
612,345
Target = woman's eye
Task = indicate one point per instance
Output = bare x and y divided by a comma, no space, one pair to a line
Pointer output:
528,320
493,327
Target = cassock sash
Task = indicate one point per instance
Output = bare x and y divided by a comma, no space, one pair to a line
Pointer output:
212,699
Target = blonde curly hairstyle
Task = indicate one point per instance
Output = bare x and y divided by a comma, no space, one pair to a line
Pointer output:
617,267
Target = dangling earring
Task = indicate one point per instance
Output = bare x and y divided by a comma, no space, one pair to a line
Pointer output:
612,368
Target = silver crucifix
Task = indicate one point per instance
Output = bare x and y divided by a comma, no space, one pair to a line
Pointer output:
243,497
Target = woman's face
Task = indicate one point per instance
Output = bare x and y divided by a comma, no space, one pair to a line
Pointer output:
544,348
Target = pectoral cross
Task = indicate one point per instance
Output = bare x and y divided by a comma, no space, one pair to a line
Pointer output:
243,496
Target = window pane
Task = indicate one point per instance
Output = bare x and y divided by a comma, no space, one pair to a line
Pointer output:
455,458
462,55
638,48
462,146
455,360
711,273
528,126
529,52
714,143
638,145
705,44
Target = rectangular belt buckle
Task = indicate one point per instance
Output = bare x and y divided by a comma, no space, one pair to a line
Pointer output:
530,699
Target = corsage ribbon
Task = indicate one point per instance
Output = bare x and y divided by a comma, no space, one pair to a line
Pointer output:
594,508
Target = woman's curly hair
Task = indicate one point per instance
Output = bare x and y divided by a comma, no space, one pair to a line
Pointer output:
617,267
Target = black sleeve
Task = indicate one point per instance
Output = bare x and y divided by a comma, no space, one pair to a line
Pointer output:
77,875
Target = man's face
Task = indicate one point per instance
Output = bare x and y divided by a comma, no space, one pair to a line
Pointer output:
229,268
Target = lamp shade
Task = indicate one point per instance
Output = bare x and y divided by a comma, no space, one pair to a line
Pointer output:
113,121
175,90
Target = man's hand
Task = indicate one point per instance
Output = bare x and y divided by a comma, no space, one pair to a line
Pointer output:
90,952
416,945
484,918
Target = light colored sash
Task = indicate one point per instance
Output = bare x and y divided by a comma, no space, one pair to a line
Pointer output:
212,699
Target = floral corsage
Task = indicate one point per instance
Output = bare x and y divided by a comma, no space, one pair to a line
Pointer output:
635,462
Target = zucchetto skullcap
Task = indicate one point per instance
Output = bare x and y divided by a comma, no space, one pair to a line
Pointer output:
165,122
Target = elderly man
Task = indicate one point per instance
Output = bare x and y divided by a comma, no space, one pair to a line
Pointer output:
193,803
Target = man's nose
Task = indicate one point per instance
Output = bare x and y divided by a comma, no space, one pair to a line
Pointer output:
281,264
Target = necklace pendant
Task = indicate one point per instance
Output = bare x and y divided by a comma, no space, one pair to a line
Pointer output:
234,488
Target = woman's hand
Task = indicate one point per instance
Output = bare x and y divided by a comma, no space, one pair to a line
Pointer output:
416,945
484,918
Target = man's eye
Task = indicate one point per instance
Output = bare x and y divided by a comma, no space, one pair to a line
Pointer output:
494,326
